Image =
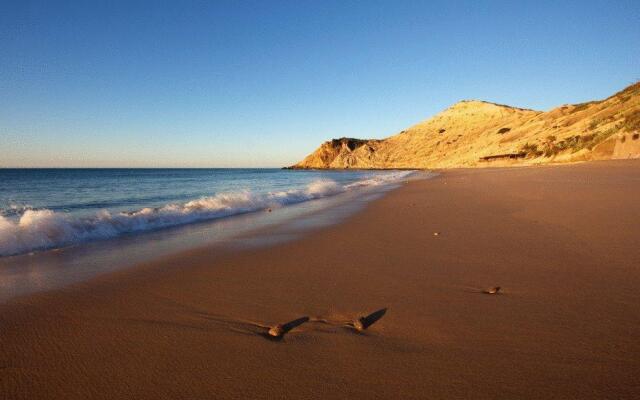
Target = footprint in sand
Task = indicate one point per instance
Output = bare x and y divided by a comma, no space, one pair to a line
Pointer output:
278,331
247,327
490,290
272,332
365,322
493,290
359,324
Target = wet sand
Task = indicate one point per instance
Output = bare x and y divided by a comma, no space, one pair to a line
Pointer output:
561,241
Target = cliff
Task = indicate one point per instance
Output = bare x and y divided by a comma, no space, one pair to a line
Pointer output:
478,133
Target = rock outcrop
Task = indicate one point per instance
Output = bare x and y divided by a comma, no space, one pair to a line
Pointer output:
477,133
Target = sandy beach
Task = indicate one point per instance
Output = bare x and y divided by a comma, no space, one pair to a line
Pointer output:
561,242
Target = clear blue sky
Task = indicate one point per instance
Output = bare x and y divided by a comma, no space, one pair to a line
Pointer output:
239,83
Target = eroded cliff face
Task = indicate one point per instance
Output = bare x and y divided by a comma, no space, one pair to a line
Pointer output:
477,133
338,153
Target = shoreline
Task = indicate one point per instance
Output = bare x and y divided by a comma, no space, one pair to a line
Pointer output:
59,267
562,242
65,222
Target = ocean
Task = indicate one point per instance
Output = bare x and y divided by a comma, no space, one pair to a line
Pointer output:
51,208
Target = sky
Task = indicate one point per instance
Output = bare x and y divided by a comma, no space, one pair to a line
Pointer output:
263,83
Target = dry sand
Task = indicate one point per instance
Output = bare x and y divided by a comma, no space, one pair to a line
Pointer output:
562,242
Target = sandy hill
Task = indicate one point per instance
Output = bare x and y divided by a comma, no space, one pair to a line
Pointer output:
478,133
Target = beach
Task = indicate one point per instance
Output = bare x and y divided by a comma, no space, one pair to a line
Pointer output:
560,241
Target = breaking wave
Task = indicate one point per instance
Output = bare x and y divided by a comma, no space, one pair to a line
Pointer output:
39,229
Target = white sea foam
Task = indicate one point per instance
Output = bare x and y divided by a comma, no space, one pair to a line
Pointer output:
45,229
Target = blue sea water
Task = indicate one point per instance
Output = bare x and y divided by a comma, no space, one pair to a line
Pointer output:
49,208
